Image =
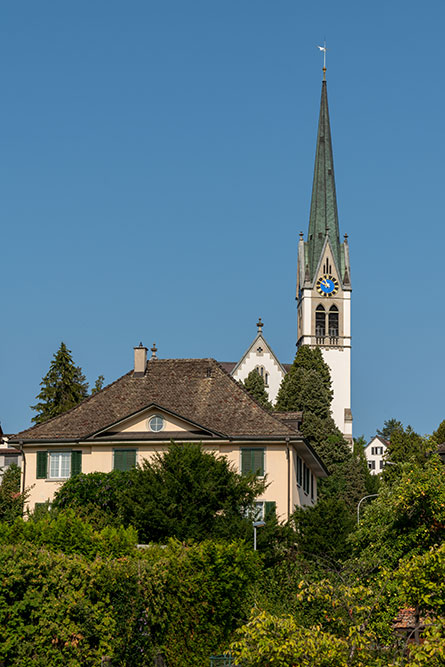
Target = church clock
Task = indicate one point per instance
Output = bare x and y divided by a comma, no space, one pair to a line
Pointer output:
327,285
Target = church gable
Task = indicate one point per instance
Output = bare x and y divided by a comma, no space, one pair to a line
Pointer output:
260,357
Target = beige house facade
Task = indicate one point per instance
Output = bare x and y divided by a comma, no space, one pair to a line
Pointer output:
180,400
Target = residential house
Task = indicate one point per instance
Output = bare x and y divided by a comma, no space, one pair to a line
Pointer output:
185,400
375,451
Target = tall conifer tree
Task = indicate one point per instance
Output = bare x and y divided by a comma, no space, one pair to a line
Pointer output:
63,387
254,384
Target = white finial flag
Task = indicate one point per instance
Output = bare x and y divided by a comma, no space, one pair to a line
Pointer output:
323,49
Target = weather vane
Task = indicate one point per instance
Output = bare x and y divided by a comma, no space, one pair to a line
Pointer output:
324,49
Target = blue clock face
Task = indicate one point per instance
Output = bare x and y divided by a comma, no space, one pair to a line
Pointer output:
327,285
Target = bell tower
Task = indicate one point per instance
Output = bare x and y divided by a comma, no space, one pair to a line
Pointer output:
324,277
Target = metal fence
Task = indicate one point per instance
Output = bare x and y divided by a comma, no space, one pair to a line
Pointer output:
221,661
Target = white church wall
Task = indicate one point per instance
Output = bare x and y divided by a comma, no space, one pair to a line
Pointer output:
273,370
339,362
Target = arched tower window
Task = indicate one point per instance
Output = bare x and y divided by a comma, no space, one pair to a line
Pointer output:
320,322
333,321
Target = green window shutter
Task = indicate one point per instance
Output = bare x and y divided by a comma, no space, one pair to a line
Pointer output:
245,461
252,460
76,463
124,459
270,508
42,465
258,461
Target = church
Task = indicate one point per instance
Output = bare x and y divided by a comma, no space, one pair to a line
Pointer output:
323,290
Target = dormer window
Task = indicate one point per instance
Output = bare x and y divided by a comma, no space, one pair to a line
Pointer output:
156,423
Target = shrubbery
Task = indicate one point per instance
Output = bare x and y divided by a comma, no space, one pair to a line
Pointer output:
179,602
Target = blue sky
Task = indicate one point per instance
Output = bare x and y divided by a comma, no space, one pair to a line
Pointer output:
156,169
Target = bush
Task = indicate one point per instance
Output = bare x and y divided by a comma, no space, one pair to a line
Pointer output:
67,532
182,602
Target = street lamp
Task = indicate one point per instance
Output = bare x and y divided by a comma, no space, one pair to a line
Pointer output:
256,524
372,495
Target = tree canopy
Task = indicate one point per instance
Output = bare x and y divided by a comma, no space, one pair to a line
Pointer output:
184,493
63,387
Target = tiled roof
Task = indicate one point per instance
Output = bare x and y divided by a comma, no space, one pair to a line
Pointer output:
199,390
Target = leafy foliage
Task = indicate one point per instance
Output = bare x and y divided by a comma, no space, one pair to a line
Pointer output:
322,531
67,532
63,387
11,499
188,494
95,496
406,445
407,517
179,602
183,492
254,384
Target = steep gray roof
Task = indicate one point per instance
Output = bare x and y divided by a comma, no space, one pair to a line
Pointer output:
199,390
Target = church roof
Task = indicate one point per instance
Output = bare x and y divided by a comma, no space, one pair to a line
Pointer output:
199,390
323,218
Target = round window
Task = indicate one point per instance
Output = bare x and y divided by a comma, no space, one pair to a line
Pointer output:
156,423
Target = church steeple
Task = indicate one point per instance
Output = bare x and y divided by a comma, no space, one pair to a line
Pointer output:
324,277
323,218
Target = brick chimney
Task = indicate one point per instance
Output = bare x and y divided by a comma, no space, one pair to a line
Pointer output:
140,361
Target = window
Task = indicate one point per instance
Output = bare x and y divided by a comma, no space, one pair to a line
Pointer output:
10,459
371,465
124,459
156,423
333,321
382,463
320,321
312,486
58,465
306,478
376,451
299,471
264,509
252,460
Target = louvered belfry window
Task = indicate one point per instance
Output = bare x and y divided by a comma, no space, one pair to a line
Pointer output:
320,321
333,321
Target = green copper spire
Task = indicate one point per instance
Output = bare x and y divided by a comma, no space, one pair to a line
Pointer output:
324,216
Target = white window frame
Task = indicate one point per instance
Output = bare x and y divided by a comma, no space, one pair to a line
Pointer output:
62,455
153,417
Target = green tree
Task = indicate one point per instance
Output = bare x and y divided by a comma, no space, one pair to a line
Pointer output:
307,387
407,517
188,494
321,532
11,499
372,482
310,368
405,446
98,386
63,387
254,384
94,496
389,426
439,433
